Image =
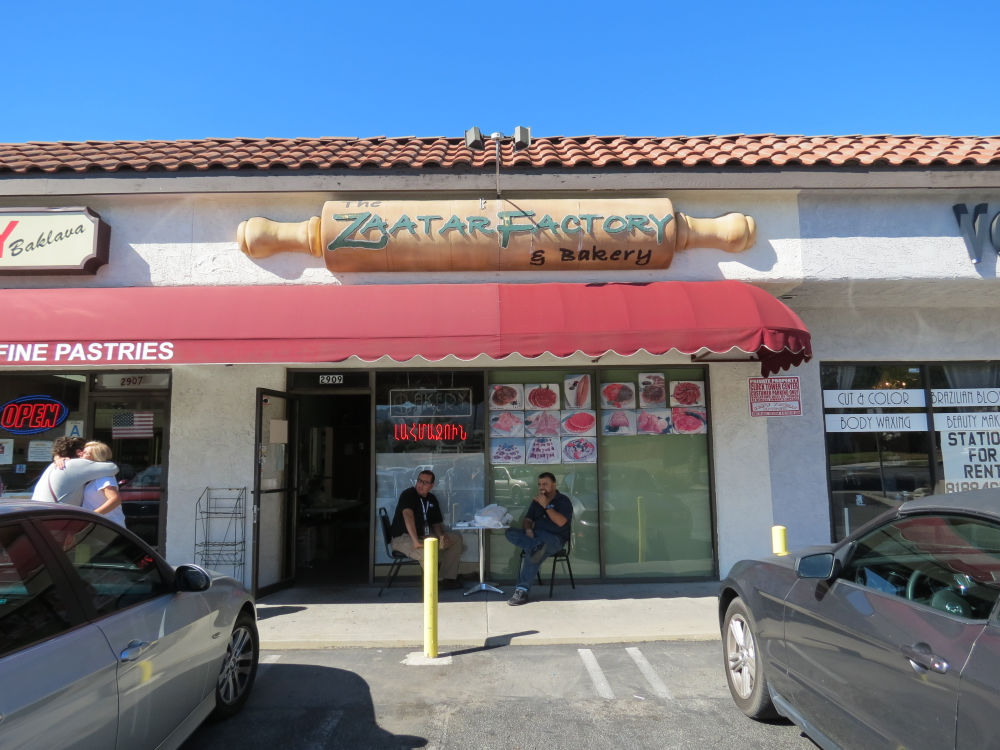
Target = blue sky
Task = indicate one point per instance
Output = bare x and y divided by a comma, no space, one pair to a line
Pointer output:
303,68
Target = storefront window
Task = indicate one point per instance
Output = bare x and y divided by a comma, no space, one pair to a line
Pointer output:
629,448
894,432
966,406
133,426
877,440
655,497
37,409
431,420
126,410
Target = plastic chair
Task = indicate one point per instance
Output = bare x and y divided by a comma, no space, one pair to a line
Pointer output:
561,556
397,557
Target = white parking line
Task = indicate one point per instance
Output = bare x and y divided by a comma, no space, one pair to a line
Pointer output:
269,658
659,688
601,684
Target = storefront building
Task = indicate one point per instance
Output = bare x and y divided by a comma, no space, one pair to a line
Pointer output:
276,336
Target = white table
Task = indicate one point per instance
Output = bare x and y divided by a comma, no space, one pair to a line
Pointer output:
482,585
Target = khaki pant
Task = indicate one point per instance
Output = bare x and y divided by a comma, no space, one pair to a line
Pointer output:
448,558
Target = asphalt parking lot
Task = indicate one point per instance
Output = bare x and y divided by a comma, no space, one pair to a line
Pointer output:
623,695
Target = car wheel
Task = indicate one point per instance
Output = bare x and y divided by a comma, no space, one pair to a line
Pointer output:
744,667
239,668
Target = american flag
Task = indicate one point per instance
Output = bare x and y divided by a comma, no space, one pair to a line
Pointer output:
132,424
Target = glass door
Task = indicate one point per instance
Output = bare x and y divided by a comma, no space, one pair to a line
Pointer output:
134,425
274,493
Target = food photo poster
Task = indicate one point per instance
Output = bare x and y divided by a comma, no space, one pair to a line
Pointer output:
554,422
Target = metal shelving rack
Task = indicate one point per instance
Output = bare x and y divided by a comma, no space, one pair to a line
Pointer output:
220,533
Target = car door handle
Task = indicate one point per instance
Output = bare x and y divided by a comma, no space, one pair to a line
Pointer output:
922,658
134,650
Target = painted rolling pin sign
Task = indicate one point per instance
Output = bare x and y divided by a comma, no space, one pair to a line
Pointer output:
515,235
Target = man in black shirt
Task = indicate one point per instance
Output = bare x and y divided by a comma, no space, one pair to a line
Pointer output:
545,530
417,516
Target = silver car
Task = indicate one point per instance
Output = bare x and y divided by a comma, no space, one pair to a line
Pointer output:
890,638
105,645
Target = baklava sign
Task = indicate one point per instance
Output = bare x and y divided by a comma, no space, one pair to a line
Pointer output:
52,241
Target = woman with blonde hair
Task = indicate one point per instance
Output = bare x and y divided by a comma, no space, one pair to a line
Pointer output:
101,495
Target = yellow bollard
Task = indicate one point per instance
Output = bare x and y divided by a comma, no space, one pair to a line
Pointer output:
779,540
430,597
640,520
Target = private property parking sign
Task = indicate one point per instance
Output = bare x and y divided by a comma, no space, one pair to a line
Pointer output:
775,397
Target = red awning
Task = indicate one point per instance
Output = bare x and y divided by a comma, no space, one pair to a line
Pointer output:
328,323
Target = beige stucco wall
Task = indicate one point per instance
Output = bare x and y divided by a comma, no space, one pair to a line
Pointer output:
212,422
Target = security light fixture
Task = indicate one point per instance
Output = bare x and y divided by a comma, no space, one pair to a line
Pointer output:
521,139
474,139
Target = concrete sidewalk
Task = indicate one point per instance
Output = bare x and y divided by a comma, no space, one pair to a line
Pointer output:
331,617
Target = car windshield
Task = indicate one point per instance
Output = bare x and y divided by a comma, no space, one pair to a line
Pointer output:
919,557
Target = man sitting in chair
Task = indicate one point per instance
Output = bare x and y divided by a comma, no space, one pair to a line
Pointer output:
545,530
417,516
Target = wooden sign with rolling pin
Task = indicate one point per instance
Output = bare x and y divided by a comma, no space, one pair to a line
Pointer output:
510,235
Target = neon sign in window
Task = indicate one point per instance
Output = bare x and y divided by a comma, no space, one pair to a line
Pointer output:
428,431
30,414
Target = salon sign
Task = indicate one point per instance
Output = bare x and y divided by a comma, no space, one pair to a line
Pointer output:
37,241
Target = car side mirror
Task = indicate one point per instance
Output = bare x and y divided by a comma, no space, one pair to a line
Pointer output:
191,578
823,565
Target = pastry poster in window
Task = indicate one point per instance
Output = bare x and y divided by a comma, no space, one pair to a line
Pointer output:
581,450
542,395
507,396
507,424
689,420
653,422
652,390
583,422
506,451
543,450
618,396
577,390
618,422
542,424
687,393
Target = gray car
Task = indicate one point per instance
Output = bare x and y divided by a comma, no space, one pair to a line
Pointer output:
107,644
890,638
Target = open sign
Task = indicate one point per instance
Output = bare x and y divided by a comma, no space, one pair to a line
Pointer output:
30,414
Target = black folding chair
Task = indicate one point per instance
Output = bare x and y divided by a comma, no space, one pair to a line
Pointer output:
560,556
397,557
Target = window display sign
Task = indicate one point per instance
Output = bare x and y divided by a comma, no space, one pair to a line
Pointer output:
876,422
965,397
6,452
776,397
40,451
984,420
52,241
428,431
899,398
430,402
30,414
971,459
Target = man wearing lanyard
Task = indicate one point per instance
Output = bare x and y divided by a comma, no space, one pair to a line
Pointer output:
418,515
544,531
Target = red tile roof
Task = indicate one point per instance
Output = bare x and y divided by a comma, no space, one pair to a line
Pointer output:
544,153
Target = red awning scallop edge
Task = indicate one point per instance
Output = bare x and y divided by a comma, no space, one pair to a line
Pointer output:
330,323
